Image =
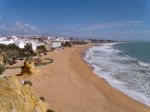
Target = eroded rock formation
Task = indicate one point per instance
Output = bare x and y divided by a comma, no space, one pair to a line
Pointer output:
16,97
29,68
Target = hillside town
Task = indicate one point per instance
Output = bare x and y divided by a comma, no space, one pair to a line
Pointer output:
51,42
19,47
21,41
23,57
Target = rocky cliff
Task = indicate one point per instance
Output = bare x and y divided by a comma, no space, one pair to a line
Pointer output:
16,97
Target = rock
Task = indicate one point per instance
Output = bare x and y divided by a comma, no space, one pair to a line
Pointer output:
29,68
15,97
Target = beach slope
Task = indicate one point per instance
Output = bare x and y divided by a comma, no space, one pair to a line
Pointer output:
69,85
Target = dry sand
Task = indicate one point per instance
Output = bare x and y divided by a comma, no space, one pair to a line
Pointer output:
69,85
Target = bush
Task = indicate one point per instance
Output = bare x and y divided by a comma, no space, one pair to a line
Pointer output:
66,44
28,51
12,51
41,49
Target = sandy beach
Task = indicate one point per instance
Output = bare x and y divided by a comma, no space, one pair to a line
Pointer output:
69,85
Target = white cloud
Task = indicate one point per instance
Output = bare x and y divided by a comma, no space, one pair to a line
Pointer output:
19,28
71,26
23,27
99,26
136,21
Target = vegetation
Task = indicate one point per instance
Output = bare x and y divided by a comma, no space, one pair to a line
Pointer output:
9,54
41,49
12,52
66,44
28,51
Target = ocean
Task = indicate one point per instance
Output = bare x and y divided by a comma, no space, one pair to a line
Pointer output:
125,66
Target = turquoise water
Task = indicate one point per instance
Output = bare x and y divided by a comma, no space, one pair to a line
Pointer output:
138,50
125,66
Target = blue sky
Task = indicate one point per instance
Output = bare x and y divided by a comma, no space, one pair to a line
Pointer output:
106,19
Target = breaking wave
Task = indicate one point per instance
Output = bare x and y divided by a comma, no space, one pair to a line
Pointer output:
121,71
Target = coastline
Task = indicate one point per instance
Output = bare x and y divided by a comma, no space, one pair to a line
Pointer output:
117,100
70,85
121,70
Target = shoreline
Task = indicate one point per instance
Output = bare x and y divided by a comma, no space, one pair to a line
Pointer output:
135,102
114,82
70,85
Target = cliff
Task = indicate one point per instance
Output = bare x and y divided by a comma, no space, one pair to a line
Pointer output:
16,97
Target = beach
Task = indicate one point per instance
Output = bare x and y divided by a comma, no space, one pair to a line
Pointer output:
70,85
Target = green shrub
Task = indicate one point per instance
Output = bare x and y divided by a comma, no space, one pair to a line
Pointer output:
41,49
66,44
12,51
28,51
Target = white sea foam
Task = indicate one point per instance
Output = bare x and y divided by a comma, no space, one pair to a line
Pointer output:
122,72
144,64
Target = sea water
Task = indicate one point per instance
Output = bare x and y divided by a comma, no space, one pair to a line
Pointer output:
125,66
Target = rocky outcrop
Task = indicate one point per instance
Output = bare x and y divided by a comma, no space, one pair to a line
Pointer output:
29,68
16,97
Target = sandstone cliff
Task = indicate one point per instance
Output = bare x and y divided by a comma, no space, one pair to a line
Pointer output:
16,97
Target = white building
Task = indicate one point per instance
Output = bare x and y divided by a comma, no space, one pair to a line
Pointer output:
34,45
20,42
3,40
56,43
